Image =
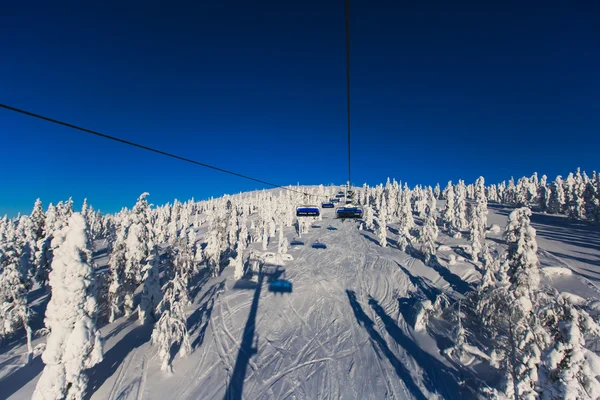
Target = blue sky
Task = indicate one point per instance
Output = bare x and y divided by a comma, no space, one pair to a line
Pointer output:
440,91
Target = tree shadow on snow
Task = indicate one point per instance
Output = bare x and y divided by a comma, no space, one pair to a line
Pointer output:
425,288
13,382
202,314
438,378
198,282
455,281
119,328
248,348
115,356
369,238
380,346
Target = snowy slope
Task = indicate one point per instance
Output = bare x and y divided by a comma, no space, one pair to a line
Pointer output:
345,331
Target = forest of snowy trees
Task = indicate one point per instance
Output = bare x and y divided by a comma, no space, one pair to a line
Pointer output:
540,341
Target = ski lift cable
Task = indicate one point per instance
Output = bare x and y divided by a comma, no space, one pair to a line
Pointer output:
151,149
348,78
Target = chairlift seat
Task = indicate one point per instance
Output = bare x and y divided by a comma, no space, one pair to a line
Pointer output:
349,211
307,211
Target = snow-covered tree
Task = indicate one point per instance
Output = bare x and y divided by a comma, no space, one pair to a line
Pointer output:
523,272
14,285
448,214
569,375
436,191
368,218
429,234
478,219
524,334
171,328
118,278
151,294
74,343
137,250
382,222
282,245
557,201
543,194
212,251
577,210
460,206
38,221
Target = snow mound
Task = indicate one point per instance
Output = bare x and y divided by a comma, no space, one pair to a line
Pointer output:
494,229
573,298
594,305
556,271
452,259
444,248
593,362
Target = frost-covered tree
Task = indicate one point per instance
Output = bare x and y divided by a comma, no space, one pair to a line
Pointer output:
429,234
265,235
118,278
436,191
382,222
74,343
369,218
523,343
51,219
38,221
282,245
171,328
557,201
460,206
577,210
592,199
479,219
569,375
238,261
151,294
543,194
14,286
568,186
523,272
448,214
212,251
407,221
137,250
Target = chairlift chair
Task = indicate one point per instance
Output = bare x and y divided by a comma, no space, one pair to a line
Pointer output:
350,211
307,211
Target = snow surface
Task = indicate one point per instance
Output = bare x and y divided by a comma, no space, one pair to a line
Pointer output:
345,331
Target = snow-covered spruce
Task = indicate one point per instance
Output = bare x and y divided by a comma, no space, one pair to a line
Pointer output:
171,328
151,294
429,234
74,343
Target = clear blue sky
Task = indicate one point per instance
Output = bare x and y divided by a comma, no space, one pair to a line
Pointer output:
440,91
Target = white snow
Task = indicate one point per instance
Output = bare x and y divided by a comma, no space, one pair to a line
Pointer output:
494,229
556,271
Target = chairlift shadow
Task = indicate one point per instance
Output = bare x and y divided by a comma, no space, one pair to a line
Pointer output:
280,286
331,228
319,245
297,243
273,272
